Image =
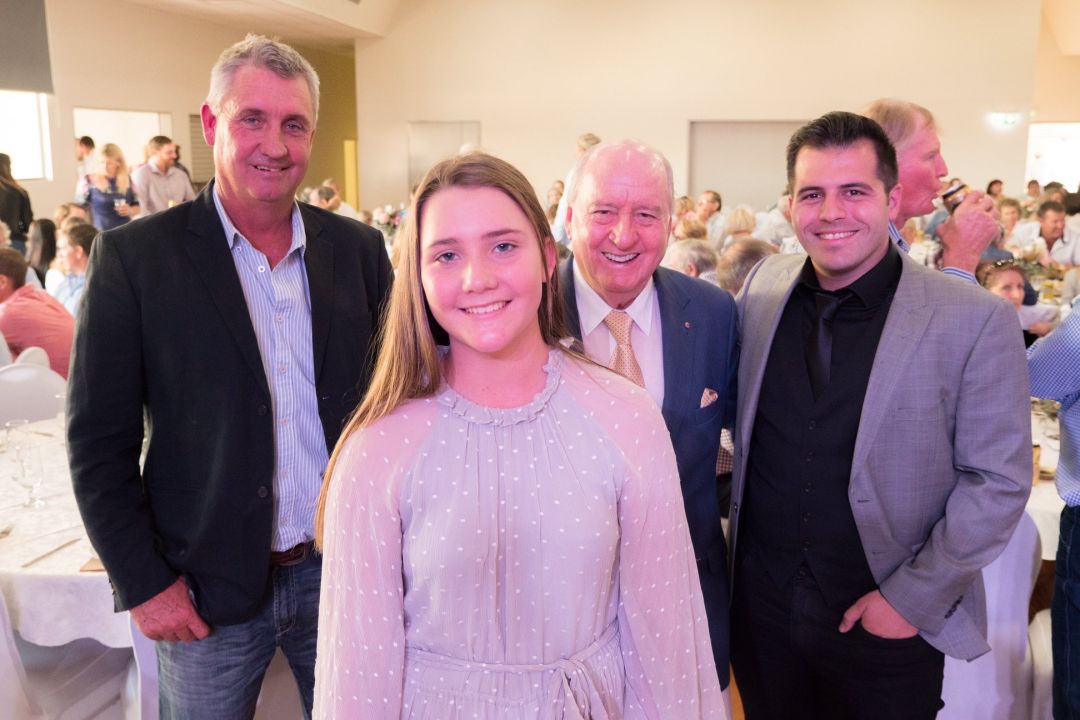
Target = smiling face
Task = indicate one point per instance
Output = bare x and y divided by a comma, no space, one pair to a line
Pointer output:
1052,225
482,272
620,220
840,211
262,135
921,169
165,157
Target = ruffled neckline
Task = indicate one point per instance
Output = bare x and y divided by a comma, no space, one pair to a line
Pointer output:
501,417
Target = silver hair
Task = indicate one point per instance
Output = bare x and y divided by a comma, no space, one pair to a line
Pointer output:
629,146
690,252
261,52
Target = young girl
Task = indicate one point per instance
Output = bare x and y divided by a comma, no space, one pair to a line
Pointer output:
503,530
1006,279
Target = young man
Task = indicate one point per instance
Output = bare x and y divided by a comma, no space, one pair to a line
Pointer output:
865,502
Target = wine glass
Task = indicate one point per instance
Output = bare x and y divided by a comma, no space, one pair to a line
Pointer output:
28,449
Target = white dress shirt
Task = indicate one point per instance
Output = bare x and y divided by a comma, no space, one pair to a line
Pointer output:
645,334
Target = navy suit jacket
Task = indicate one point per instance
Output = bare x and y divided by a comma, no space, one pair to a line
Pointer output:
701,350
164,326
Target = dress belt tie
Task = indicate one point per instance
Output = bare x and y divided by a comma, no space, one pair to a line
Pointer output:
573,697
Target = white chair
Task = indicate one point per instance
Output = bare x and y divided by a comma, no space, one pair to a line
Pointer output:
29,392
76,681
1042,660
997,686
33,356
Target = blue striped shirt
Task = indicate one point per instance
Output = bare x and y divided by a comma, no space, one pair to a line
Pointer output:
279,304
901,243
1054,364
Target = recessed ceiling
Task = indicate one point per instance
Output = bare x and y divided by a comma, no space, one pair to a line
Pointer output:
331,24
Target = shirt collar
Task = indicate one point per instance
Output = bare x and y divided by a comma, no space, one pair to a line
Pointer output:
871,288
897,238
592,309
299,235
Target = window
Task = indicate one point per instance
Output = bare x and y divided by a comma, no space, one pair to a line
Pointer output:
1054,153
24,134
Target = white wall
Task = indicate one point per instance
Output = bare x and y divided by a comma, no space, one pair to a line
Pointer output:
109,54
538,74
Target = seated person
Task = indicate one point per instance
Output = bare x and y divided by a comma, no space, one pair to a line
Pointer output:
738,260
73,249
692,257
689,229
1005,278
30,317
739,226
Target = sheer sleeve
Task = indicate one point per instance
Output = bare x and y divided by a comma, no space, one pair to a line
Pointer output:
664,635
361,647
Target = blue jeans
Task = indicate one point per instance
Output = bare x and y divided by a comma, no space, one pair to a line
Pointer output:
220,677
1065,618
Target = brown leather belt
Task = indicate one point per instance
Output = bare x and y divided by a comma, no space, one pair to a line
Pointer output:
293,556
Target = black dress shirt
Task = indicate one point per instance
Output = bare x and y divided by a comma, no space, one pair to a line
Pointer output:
797,516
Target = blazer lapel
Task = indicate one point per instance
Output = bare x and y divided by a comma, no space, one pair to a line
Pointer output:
763,311
209,252
679,338
319,262
909,316
569,294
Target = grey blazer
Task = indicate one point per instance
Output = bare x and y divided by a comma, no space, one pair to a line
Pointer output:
942,464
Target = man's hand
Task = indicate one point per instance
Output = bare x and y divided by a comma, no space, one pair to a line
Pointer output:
969,231
170,615
878,618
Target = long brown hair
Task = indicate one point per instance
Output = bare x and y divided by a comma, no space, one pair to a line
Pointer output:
408,365
6,178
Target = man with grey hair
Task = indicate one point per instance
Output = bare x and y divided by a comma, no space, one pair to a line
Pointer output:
738,260
973,225
694,258
239,325
671,334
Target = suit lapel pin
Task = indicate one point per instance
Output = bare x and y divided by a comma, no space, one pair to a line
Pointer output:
686,324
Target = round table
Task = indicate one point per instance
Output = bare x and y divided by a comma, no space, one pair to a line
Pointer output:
52,601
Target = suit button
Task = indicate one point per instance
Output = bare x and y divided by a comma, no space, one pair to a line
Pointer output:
262,492
810,456
808,486
806,517
812,425
263,409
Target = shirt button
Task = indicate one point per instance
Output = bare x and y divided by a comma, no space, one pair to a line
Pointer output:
279,317
284,421
282,369
262,268
263,492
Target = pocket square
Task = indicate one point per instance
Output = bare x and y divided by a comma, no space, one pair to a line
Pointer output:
708,397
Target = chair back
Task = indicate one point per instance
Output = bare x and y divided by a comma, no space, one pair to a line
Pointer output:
33,356
29,392
997,686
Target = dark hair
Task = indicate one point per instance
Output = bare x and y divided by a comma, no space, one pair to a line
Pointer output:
41,245
991,184
843,129
13,266
738,260
325,193
157,142
87,141
6,178
82,234
715,198
1050,206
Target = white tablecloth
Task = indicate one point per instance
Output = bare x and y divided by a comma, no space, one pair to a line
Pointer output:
1044,506
52,602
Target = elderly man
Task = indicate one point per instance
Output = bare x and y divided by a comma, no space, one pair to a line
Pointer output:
673,335
709,212
694,258
240,324
972,226
30,317
865,502
159,183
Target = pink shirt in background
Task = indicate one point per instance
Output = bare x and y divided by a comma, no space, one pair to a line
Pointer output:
32,318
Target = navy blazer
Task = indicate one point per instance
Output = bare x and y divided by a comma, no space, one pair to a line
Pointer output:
164,326
701,351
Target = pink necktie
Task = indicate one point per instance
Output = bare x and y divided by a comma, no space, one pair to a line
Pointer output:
623,361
